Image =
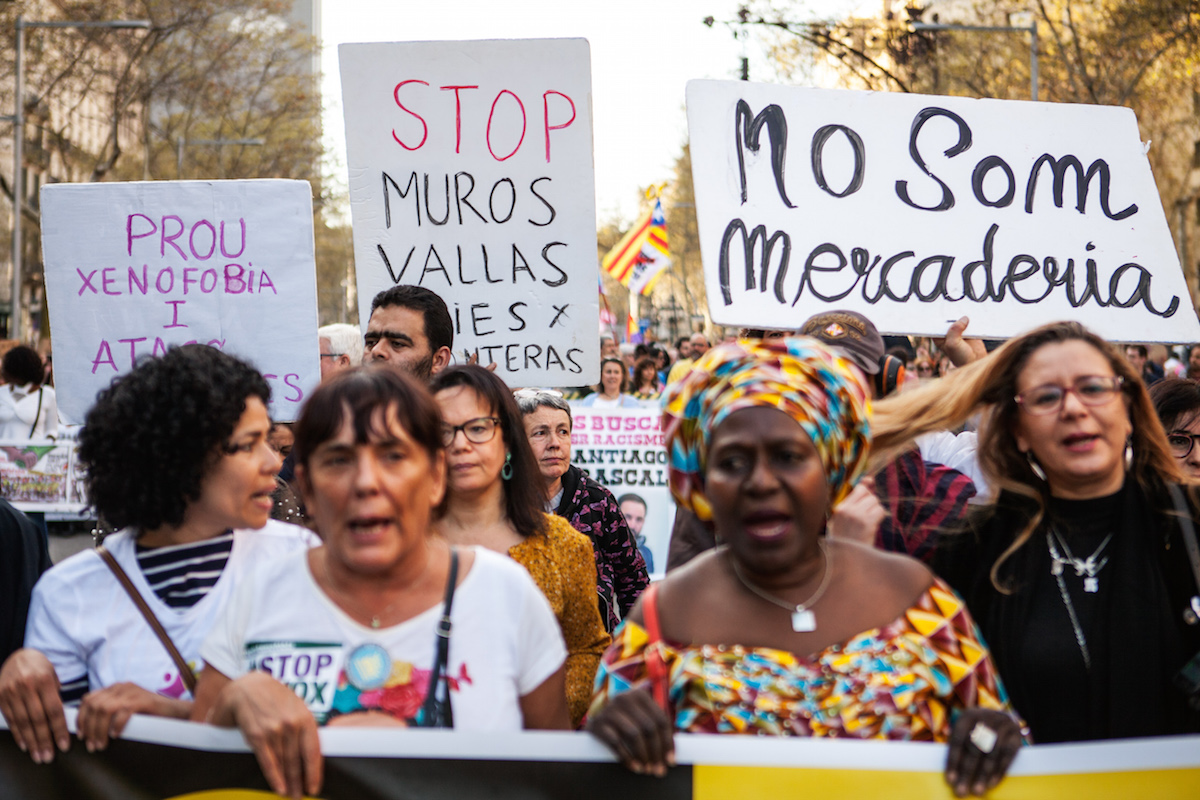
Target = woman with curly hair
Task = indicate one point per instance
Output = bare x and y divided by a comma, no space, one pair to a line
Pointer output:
177,457
28,409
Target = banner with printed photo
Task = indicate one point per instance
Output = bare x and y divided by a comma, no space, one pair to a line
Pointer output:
41,475
624,450
163,759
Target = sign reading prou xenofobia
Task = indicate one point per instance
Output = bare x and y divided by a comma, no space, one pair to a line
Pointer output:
470,168
915,210
133,268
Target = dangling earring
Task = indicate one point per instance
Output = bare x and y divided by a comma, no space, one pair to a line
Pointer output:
1129,454
1034,465
506,470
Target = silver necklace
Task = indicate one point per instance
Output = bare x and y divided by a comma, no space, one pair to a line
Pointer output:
1083,566
803,619
1056,571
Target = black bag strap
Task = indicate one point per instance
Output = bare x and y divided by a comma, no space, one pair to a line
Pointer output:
185,672
436,711
1189,530
38,415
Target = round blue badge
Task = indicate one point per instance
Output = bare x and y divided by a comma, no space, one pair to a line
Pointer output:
368,667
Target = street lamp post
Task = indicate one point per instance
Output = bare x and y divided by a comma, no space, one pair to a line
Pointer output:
181,142
18,121
1031,29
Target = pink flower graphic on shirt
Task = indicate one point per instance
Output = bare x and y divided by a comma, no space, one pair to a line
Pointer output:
174,688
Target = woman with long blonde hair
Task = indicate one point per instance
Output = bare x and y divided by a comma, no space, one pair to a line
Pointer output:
1077,572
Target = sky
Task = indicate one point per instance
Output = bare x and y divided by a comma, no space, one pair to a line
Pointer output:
643,54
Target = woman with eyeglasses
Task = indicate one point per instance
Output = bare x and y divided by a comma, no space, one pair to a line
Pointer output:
494,499
1177,401
1078,572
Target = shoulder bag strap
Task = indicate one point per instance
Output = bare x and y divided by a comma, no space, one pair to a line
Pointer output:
185,672
436,711
1188,528
36,416
656,668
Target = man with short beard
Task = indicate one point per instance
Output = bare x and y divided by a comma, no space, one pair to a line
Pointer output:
410,329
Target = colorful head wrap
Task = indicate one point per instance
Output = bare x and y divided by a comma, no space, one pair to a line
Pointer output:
811,383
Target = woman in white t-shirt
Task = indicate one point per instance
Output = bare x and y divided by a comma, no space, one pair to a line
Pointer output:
610,392
176,455
347,633
28,409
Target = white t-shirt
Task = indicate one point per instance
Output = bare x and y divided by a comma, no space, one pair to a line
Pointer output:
85,623
504,643
958,451
28,413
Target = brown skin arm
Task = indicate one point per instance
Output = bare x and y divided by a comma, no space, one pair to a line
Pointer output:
103,714
545,708
30,702
275,723
969,770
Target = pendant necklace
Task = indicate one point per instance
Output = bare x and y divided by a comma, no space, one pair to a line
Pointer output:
1083,566
803,619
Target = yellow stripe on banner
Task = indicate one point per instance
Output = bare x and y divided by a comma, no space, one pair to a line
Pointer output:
721,783
231,794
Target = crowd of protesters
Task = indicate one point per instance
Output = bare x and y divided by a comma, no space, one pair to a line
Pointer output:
892,539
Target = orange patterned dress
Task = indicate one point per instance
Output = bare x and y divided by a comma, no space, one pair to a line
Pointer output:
903,681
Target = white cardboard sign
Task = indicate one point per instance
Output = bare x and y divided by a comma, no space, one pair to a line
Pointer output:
915,210
132,268
471,175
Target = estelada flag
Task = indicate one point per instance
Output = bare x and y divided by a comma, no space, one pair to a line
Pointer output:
642,254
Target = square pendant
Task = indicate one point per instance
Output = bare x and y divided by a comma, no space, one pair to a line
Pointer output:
1091,585
1056,567
804,621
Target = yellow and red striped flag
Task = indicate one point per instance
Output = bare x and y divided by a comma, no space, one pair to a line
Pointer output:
642,254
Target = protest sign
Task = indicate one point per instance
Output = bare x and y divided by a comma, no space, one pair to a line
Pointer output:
917,210
624,450
132,268
471,175
157,759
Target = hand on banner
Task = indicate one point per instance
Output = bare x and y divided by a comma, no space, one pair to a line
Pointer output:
634,727
104,713
983,744
961,351
473,360
30,702
279,729
857,517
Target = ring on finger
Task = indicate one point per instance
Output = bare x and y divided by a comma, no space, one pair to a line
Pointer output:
984,737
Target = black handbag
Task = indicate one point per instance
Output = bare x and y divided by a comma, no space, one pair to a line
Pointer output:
436,711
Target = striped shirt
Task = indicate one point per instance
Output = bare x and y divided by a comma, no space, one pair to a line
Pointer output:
182,574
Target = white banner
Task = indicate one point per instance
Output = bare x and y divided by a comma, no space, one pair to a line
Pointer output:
471,175
915,210
132,268
624,450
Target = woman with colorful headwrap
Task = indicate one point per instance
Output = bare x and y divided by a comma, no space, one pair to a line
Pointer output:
780,630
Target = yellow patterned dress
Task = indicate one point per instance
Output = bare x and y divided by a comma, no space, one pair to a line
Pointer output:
903,681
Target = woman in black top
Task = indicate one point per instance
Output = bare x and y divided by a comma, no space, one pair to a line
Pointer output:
1077,573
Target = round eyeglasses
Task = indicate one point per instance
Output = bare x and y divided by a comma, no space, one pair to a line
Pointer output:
1092,390
1181,443
477,431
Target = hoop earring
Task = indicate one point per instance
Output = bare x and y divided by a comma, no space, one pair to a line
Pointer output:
1035,466
506,471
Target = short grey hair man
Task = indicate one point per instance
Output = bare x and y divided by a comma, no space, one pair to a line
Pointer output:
341,348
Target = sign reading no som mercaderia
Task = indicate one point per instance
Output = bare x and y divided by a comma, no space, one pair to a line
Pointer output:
132,268
471,175
915,210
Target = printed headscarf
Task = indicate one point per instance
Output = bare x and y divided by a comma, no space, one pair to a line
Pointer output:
802,377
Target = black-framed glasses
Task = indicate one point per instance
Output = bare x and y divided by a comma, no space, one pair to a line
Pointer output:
477,431
1181,443
1092,390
